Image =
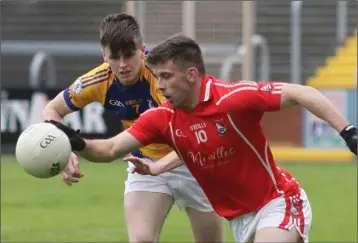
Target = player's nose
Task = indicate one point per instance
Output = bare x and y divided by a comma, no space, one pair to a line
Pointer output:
121,63
160,89
160,85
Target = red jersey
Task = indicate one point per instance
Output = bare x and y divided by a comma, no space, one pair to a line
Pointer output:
222,144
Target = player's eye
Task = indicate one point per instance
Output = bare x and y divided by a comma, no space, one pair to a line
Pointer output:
165,75
115,57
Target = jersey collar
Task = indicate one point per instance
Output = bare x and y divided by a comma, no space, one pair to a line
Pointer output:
143,67
205,89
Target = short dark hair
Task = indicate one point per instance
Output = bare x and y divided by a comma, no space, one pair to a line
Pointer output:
120,32
182,50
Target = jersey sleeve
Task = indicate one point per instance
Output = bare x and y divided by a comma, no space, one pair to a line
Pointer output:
88,88
149,127
258,96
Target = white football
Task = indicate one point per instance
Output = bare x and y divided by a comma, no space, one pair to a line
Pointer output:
43,150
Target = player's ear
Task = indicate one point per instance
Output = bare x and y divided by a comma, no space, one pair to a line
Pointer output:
143,50
192,74
103,55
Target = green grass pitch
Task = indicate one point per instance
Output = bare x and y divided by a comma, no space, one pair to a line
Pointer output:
35,210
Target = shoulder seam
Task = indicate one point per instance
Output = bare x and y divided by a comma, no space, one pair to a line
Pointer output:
102,72
238,89
98,77
159,108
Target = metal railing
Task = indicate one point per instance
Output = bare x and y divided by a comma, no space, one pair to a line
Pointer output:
44,51
296,31
37,62
296,26
342,21
258,41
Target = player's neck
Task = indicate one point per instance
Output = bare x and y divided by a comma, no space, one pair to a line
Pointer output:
193,98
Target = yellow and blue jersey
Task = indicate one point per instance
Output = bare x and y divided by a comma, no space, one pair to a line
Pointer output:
127,102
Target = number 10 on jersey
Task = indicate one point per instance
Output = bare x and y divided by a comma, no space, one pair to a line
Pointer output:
201,136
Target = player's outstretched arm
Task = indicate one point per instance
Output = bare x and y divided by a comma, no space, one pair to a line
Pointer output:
107,150
315,102
99,150
165,164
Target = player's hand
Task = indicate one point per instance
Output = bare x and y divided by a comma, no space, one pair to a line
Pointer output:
141,166
349,134
72,174
77,142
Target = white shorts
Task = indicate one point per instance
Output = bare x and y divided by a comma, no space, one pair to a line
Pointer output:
178,183
281,212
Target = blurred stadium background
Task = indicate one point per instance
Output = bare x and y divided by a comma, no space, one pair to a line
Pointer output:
46,45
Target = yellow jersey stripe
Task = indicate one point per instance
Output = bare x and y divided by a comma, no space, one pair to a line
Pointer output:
93,79
88,80
88,77
96,81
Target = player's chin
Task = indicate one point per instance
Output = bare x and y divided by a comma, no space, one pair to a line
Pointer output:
174,103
